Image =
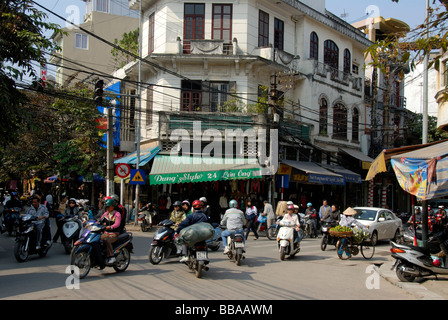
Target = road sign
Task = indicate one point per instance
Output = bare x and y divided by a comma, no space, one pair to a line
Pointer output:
123,170
137,176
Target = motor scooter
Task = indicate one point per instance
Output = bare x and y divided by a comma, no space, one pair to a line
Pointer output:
145,216
163,245
198,258
287,245
327,238
412,262
235,243
90,253
26,240
11,220
72,230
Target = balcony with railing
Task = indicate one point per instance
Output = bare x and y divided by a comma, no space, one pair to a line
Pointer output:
335,75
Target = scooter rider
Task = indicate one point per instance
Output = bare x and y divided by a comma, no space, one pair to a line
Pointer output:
71,211
40,211
196,217
290,216
234,220
112,220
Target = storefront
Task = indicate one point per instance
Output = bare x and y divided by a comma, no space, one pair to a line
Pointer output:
218,179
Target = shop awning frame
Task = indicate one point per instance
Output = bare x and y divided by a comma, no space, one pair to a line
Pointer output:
349,176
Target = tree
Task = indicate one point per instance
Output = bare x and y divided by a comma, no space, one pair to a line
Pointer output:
129,42
21,43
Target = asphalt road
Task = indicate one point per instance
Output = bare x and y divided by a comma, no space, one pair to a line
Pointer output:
312,274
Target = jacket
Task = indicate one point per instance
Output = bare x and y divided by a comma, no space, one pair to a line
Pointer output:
234,219
41,211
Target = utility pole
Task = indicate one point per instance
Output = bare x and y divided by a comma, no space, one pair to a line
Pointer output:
425,128
139,89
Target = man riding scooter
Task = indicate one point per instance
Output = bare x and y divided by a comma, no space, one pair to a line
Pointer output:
234,220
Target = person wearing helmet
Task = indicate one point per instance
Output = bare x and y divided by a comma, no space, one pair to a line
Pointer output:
290,216
207,210
177,215
112,220
196,217
234,220
312,213
186,206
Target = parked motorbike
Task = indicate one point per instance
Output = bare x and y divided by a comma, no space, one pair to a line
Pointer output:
90,253
198,258
163,245
72,230
287,245
326,237
145,217
235,244
412,262
215,243
11,218
26,239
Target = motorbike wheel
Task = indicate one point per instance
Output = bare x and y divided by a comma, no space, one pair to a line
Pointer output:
324,242
155,254
198,269
83,262
282,253
123,260
20,253
271,233
143,226
238,256
343,249
403,276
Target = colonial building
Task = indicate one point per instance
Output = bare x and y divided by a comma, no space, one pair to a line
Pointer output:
253,64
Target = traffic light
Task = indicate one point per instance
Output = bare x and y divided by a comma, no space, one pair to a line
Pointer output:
98,95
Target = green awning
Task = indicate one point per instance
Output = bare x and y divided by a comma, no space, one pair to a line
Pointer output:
184,169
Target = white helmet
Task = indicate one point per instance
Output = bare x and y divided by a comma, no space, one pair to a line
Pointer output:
203,199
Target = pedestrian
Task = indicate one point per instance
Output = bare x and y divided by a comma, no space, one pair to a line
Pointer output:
324,210
251,215
312,213
269,211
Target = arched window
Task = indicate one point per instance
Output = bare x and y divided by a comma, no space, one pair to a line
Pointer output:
339,121
355,125
331,54
347,61
323,116
314,46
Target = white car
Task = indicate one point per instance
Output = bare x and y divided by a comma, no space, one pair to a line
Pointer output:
383,223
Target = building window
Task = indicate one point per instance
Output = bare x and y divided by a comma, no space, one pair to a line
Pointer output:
331,54
81,41
323,116
279,33
194,18
218,97
222,22
355,125
314,46
263,29
347,60
339,121
191,97
151,33
149,104
102,5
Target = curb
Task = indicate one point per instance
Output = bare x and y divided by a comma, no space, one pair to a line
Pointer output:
414,288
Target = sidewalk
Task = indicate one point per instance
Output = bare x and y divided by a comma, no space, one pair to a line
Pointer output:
426,289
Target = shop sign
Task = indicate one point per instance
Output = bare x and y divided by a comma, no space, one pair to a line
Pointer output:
205,176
